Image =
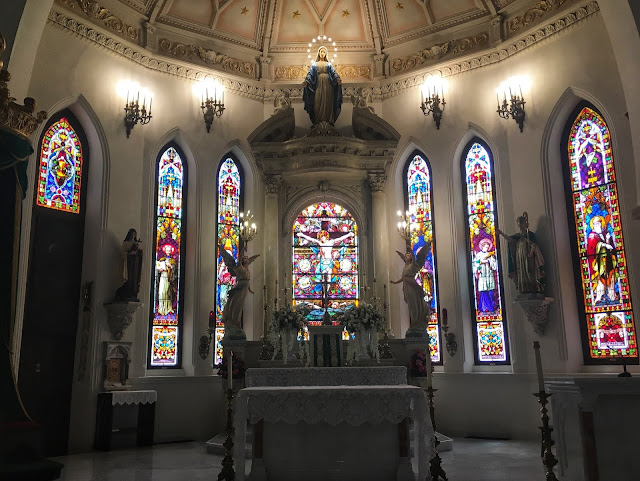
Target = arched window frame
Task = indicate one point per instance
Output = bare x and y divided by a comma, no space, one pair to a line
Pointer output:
435,336
589,314
470,259
84,166
181,257
219,328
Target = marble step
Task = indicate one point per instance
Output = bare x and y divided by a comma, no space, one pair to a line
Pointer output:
215,444
446,443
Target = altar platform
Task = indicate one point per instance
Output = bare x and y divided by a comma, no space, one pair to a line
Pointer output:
333,424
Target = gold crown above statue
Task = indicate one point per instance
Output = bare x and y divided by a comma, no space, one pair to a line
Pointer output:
15,118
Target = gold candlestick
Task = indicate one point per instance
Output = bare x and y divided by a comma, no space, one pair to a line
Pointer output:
227,473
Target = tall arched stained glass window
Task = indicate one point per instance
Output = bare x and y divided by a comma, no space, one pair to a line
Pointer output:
168,258
599,252
60,172
419,204
484,255
325,250
229,204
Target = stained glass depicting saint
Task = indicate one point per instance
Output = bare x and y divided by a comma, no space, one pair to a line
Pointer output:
229,191
484,256
168,260
325,249
60,169
601,250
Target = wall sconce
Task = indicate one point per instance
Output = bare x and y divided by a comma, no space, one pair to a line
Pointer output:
248,229
404,225
432,98
134,111
512,106
211,94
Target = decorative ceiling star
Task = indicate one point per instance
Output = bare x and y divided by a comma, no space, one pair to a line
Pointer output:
399,6
296,14
244,10
345,13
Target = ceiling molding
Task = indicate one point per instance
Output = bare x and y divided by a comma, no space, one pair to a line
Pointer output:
384,89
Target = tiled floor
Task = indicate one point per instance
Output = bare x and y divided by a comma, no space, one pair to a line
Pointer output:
470,460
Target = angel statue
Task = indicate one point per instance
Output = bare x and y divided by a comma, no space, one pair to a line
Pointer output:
413,292
232,313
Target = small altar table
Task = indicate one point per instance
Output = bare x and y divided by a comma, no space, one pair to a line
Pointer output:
345,432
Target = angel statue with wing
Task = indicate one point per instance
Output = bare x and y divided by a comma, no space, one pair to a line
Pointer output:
232,313
413,292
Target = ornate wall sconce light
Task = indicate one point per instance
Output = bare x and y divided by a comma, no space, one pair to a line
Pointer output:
211,94
248,229
405,228
513,105
432,98
135,112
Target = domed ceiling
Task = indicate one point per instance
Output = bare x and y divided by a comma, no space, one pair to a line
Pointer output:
269,38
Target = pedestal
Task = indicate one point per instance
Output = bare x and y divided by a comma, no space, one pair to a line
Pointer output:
120,316
535,307
326,345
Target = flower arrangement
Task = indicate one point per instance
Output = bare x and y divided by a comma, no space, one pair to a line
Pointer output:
418,364
286,323
237,368
363,322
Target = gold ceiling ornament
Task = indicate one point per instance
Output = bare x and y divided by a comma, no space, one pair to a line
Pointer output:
345,13
296,14
15,118
94,10
244,10
299,72
399,6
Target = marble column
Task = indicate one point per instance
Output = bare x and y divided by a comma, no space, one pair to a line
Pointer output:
380,233
272,185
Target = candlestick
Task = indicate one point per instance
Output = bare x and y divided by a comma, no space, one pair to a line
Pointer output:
536,349
429,373
230,371
548,459
227,473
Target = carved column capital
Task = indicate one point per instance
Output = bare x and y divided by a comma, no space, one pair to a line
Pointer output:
377,181
265,67
379,60
272,184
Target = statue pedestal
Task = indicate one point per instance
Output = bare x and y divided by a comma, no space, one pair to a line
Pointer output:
326,345
535,307
417,331
117,357
120,316
238,347
233,333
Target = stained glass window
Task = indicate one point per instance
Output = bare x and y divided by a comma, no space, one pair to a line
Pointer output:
420,206
169,247
229,192
602,265
325,249
60,172
484,256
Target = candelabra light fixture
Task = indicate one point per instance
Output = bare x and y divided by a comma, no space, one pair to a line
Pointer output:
211,95
135,111
432,98
405,227
248,229
511,100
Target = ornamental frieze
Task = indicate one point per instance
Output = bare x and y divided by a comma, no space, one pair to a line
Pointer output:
95,11
533,14
436,52
208,56
346,72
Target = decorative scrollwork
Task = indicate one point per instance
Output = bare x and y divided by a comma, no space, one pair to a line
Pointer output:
208,56
16,118
94,10
299,72
533,14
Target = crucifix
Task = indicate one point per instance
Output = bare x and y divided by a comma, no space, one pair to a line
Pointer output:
326,319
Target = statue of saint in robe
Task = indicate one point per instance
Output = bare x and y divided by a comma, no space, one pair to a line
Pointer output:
322,94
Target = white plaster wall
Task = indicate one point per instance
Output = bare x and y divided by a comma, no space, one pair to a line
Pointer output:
528,178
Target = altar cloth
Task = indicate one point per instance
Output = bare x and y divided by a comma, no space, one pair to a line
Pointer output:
332,405
326,376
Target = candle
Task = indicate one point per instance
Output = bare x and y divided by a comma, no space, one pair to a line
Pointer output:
536,349
212,320
429,374
230,370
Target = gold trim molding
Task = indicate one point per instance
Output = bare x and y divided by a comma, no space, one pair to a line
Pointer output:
94,10
299,72
210,57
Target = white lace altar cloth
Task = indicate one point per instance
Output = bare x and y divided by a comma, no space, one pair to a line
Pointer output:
354,405
133,397
327,376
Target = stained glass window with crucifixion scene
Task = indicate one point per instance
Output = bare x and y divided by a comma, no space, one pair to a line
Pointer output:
325,249
419,206
61,168
168,286
608,327
228,222
485,275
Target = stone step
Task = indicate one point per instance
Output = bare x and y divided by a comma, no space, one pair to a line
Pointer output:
215,445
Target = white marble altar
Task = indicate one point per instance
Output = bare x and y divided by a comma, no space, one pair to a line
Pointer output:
596,421
333,423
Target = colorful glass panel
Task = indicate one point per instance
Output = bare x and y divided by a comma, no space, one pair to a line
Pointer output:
603,266
60,172
168,258
325,248
484,257
420,207
229,183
